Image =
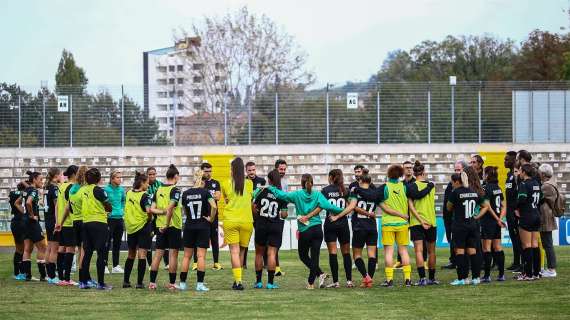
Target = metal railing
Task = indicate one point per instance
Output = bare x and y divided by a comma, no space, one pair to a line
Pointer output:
385,112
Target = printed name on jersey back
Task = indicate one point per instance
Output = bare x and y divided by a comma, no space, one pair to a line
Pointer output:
468,195
497,192
333,195
270,196
194,196
535,188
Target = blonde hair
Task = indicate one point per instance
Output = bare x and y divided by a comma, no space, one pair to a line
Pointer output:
113,174
198,175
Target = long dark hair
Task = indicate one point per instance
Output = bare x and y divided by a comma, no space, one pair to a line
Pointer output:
139,179
474,182
307,182
52,173
491,174
274,178
337,179
238,175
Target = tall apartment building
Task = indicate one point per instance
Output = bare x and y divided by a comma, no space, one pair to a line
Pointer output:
174,84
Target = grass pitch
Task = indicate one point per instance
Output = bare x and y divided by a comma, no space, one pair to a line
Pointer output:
544,299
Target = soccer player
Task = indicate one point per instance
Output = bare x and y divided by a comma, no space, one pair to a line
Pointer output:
336,228
465,203
270,213
76,207
491,224
395,224
94,207
408,179
423,227
309,224
67,236
138,223
153,184
18,228
238,219
116,194
53,180
364,201
200,209
213,186
529,196
34,234
511,194
281,167
166,200
448,216
258,182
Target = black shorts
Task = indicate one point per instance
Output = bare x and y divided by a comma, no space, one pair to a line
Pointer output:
78,232
141,239
18,228
268,233
362,237
197,237
34,231
67,237
490,230
418,233
466,235
337,231
50,235
95,236
530,223
170,239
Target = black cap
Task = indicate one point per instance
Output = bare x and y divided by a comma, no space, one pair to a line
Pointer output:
71,170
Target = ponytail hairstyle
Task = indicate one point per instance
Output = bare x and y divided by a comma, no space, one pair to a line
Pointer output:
491,174
395,171
337,178
461,177
307,182
172,172
92,176
198,178
32,176
529,170
81,174
274,178
52,173
419,168
473,181
238,175
140,178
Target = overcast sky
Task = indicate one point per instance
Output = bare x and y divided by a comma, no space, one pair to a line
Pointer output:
345,40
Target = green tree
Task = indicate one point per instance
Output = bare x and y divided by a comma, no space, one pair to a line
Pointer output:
70,78
541,57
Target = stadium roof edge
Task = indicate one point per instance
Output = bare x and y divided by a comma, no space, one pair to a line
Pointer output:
161,51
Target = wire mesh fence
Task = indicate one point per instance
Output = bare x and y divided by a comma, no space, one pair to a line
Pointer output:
383,112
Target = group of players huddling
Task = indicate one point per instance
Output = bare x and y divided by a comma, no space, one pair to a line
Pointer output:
82,217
